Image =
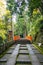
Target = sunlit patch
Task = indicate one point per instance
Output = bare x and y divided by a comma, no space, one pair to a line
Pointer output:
36,11
2,7
14,18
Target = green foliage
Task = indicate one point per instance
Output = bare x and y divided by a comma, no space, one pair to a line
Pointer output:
34,4
11,5
1,39
32,14
36,25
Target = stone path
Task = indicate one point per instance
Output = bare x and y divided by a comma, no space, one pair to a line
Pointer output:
22,54
12,59
34,59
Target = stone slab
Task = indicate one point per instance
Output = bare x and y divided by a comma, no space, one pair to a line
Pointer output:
23,51
2,63
3,60
6,56
23,58
40,57
34,58
33,47
22,45
9,52
36,51
24,48
12,59
12,48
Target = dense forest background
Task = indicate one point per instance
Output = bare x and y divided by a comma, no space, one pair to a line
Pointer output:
28,15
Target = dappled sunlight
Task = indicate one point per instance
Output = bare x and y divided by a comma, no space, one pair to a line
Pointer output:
36,11
2,7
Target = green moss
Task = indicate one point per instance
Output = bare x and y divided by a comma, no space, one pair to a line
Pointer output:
40,48
1,55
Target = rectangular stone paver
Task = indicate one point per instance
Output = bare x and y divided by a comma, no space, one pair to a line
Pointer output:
6,56
31,45
12,59
23,51
36,51
40,57
34,58
3,60
12,48
23,58
9,52
2,63
23,48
